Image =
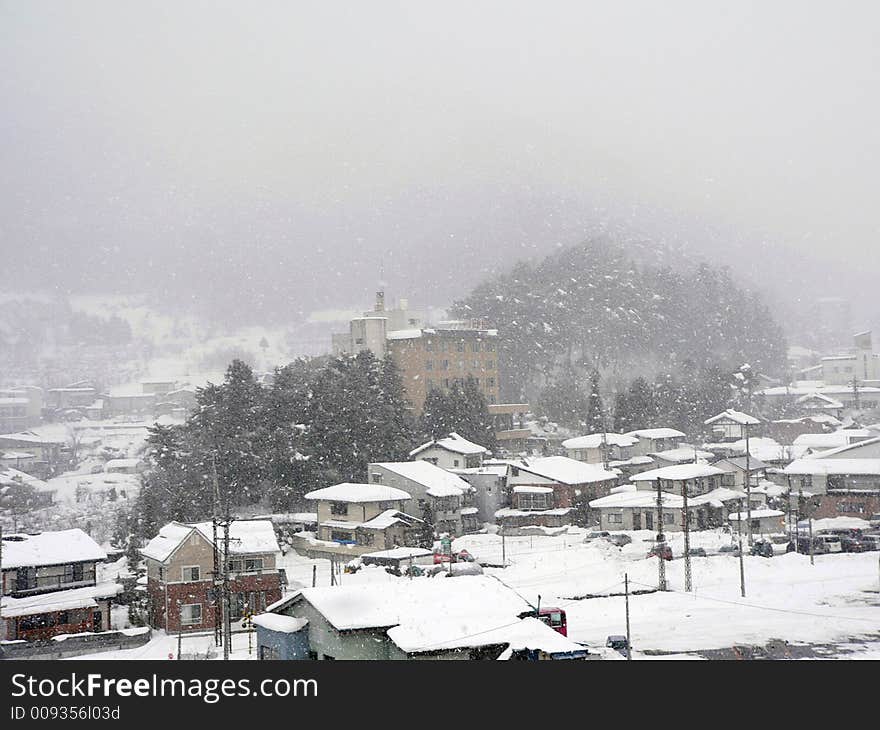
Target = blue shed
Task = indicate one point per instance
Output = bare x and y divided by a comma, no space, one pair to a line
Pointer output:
281,637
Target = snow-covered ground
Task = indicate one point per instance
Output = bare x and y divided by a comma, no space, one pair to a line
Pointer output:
836,601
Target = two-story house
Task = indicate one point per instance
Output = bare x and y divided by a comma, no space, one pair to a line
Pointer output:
597,448
652,440
50,586
451,452
443,499
363,518
182,567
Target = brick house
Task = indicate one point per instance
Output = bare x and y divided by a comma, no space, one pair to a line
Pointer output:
50,586
180,571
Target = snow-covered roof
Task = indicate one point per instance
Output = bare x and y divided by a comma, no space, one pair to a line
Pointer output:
655,433
857,467
827,400
564,470
743,419
438,482
595,441
10,476
682,454
832,453
386,519
399,553
279,623
50,548
58,600
349,492
755,515
645,498
739,462
246,537
121,464
510,512
468,599
517,634
832,440
525,489
677,472
410,334
453,442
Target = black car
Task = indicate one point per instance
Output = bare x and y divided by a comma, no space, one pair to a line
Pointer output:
762,548
618,643
697,552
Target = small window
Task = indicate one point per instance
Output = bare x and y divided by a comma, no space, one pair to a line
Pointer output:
161,572
191,573
191,614
339,508
253,564
461,347
429,364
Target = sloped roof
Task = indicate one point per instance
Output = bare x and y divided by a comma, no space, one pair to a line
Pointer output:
438,482
677,472
595,441
744,419
246,537
50,548
351,492
564,470
453,442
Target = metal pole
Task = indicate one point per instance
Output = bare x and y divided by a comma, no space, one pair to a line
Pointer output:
314,575
227,608
661,542
503,551
810,523
742,570
748,487
626,593
686,520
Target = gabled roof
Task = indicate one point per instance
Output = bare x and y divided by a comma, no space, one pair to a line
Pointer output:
743,419
682,454
453,442
739,462
856,467
677,472
655,433
832,453
357,493
50,548
437,482
595,441
68,600
564,470
828,401
246,537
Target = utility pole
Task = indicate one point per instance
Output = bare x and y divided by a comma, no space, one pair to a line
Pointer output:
179,631
227,607
810,523
216,579
661,542
686,519
503,551
314,575
626,593
855,389
748,482
742,569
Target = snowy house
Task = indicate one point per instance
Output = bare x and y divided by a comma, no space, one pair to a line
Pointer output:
447,499
547,491
451,452
731,425
50,586
594,448
181,568
466,617
764,521
362,518
651,440
735,468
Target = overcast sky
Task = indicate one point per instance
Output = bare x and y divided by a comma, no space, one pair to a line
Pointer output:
284,151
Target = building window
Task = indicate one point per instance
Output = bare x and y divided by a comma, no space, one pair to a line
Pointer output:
429,364
161,572
339,508
190,573
253,564
460,347
490,382
445,365
530,501
668,518
475,347
728,479
191,614
375,477
490,364
615,518
475,364
429,345
490,347
340,536
269,653
429,384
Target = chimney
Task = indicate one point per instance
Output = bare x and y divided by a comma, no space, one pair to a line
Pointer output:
380,301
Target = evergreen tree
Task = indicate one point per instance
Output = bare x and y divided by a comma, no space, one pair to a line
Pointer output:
595,411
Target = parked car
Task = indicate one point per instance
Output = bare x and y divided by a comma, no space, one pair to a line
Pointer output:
822,544
660,551
874,520
595,535
850,539
619,539
697,552
618,643
871,542
732,548
762,548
